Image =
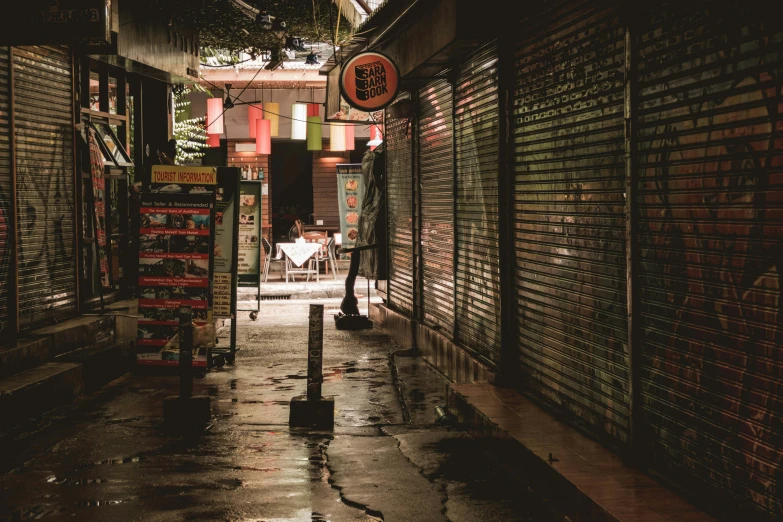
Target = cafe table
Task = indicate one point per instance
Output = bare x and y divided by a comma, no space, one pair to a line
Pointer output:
299,253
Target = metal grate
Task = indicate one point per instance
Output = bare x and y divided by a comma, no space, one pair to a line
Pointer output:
710,193
436,131
477,300
399,172
569,214
5,192
45,183
274,297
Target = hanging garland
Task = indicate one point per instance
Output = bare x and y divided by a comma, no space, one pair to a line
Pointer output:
223,25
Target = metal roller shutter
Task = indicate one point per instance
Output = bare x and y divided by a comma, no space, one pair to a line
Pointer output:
44,146
711,247
5,191
477,302
569,231
437,204
399,182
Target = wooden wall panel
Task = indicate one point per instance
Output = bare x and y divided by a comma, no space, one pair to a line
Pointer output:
325,204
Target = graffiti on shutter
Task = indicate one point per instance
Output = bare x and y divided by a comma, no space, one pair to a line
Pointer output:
710,114
477,301
45,193
437,204
399,179
569,217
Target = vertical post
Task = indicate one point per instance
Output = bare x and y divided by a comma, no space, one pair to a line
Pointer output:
315,352
418,261
76,118
634,359
185,352
508,368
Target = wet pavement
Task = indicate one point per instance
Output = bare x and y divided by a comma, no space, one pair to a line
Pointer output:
106,457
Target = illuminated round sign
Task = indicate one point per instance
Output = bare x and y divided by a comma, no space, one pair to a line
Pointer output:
369,81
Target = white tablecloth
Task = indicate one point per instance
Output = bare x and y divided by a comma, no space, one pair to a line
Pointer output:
299,253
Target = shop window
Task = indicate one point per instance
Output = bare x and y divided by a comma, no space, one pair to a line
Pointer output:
114,152
112,95
95,91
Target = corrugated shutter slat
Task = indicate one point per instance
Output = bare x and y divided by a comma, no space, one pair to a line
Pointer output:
569,213
5,190
711,227
399,172
45,192
477,302
437,203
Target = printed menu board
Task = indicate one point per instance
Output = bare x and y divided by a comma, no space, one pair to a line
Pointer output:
226,223
350,192
250,232
175,264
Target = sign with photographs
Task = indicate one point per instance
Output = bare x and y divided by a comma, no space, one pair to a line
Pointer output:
350,191
226,225
175,269
249,232
369,81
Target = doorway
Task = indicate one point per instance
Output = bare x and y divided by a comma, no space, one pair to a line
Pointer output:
292,186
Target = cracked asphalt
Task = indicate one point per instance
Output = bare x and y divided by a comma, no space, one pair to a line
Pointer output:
106,457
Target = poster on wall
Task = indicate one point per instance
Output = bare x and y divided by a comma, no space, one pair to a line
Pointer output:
250,232
350,191
175,260
226,223
99,211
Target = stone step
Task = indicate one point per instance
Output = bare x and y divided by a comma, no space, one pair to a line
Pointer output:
39,389
102,363
25,354
78,332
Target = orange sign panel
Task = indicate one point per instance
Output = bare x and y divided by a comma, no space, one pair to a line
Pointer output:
369,81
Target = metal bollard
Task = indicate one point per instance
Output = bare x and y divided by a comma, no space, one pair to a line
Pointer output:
185,352
315,352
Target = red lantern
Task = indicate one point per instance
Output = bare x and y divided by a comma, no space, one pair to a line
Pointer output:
213,140
254,113
263,137
313,109
376,137
215,116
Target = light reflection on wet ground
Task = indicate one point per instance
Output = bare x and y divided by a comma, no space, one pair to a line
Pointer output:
106,458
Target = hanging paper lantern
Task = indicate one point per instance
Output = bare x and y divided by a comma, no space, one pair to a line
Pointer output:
314,133
254,112
263,137
313,109
215,116
350,143
299,121
337,137
271,113
213,140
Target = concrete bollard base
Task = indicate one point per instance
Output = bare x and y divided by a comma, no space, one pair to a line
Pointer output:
318,414
188,414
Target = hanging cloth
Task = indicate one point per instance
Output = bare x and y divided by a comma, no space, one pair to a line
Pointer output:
99,206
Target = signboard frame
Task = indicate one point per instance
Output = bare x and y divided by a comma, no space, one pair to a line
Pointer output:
347,172
180,204
345,69
41,22
254,188
228,182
